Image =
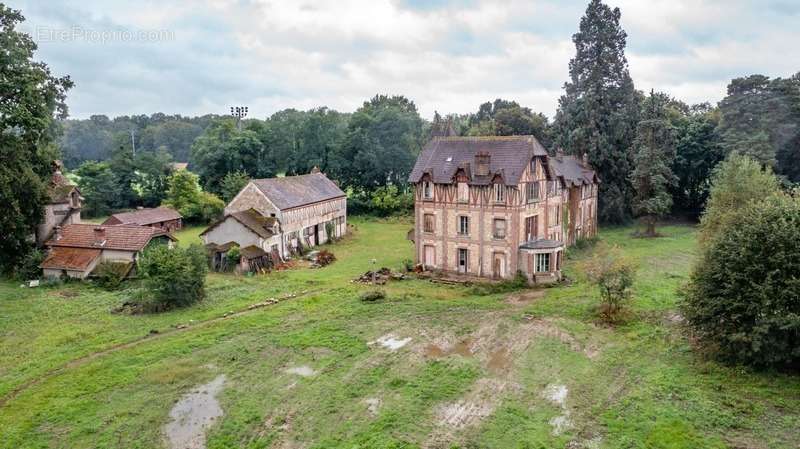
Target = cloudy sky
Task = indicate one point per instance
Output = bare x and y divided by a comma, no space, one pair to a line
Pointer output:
202,56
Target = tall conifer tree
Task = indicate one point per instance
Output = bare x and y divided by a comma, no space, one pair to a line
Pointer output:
598,112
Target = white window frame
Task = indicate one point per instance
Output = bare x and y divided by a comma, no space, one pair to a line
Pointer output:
463,192
494,228
532,192
427,190
542,260
499,193
463,225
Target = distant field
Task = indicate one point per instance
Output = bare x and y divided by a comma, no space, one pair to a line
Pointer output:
527,370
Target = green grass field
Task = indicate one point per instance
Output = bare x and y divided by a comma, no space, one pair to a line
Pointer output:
526,370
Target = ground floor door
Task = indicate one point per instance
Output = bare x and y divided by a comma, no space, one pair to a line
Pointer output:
429,257
462,260
316,234
499,265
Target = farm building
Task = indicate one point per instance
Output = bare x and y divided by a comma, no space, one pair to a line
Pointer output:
281,215
75,250
63,207
164,218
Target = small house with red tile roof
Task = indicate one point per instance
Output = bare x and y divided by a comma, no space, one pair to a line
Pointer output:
75,250
164,218
63,207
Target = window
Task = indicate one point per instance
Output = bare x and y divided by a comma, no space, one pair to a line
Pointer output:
543,263
532,189
499,228
531,228
554,216
463,225
427,190
428,225
463,192
499,193
463,261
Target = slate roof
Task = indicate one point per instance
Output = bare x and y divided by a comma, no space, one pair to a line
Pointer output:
65,258
542,244
295,191
120,237
252,220
572,170
144,217
509,156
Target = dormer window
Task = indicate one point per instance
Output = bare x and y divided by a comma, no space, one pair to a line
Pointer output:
427,190
499,193
463,192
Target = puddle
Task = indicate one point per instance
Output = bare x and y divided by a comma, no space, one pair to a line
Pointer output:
462,348
373,405
193,414
557,394
499,361
305,371
391,342
560,424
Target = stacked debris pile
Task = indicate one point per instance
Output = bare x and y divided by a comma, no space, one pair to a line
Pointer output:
380,276
321,258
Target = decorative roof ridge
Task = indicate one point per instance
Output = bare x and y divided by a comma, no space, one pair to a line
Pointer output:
501,138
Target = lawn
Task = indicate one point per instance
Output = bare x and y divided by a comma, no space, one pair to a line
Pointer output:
527,370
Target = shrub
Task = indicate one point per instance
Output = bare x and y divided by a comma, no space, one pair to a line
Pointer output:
743,298
613,274
408,265
28,267
372,295
330,231
519,282
173,277
233,257
109,275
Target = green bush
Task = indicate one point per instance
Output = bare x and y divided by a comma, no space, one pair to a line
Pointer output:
613,274
173,277
233,257
519,282
372,295
109,275
743,298
28,267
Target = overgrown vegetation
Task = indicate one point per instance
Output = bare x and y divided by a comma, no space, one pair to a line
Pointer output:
110,275
613,274
372,295
173,277
518,282
744,296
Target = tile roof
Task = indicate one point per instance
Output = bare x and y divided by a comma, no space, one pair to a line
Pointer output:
252,220
144,216
295,191
64,258
572,170
252,251
120,237
509,156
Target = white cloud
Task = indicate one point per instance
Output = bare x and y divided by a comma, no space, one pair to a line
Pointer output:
272,54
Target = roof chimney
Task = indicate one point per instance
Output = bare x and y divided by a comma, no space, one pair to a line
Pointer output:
585,160
58,233
482,160
99,236
315,169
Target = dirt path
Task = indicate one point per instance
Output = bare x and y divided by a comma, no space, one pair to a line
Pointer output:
153,336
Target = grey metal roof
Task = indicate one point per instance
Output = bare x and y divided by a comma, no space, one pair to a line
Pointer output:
572,170
295,191
542,244
509,156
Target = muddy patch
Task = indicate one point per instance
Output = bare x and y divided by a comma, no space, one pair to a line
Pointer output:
499,361
391,342
193,414
303,371
525,296
462,348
